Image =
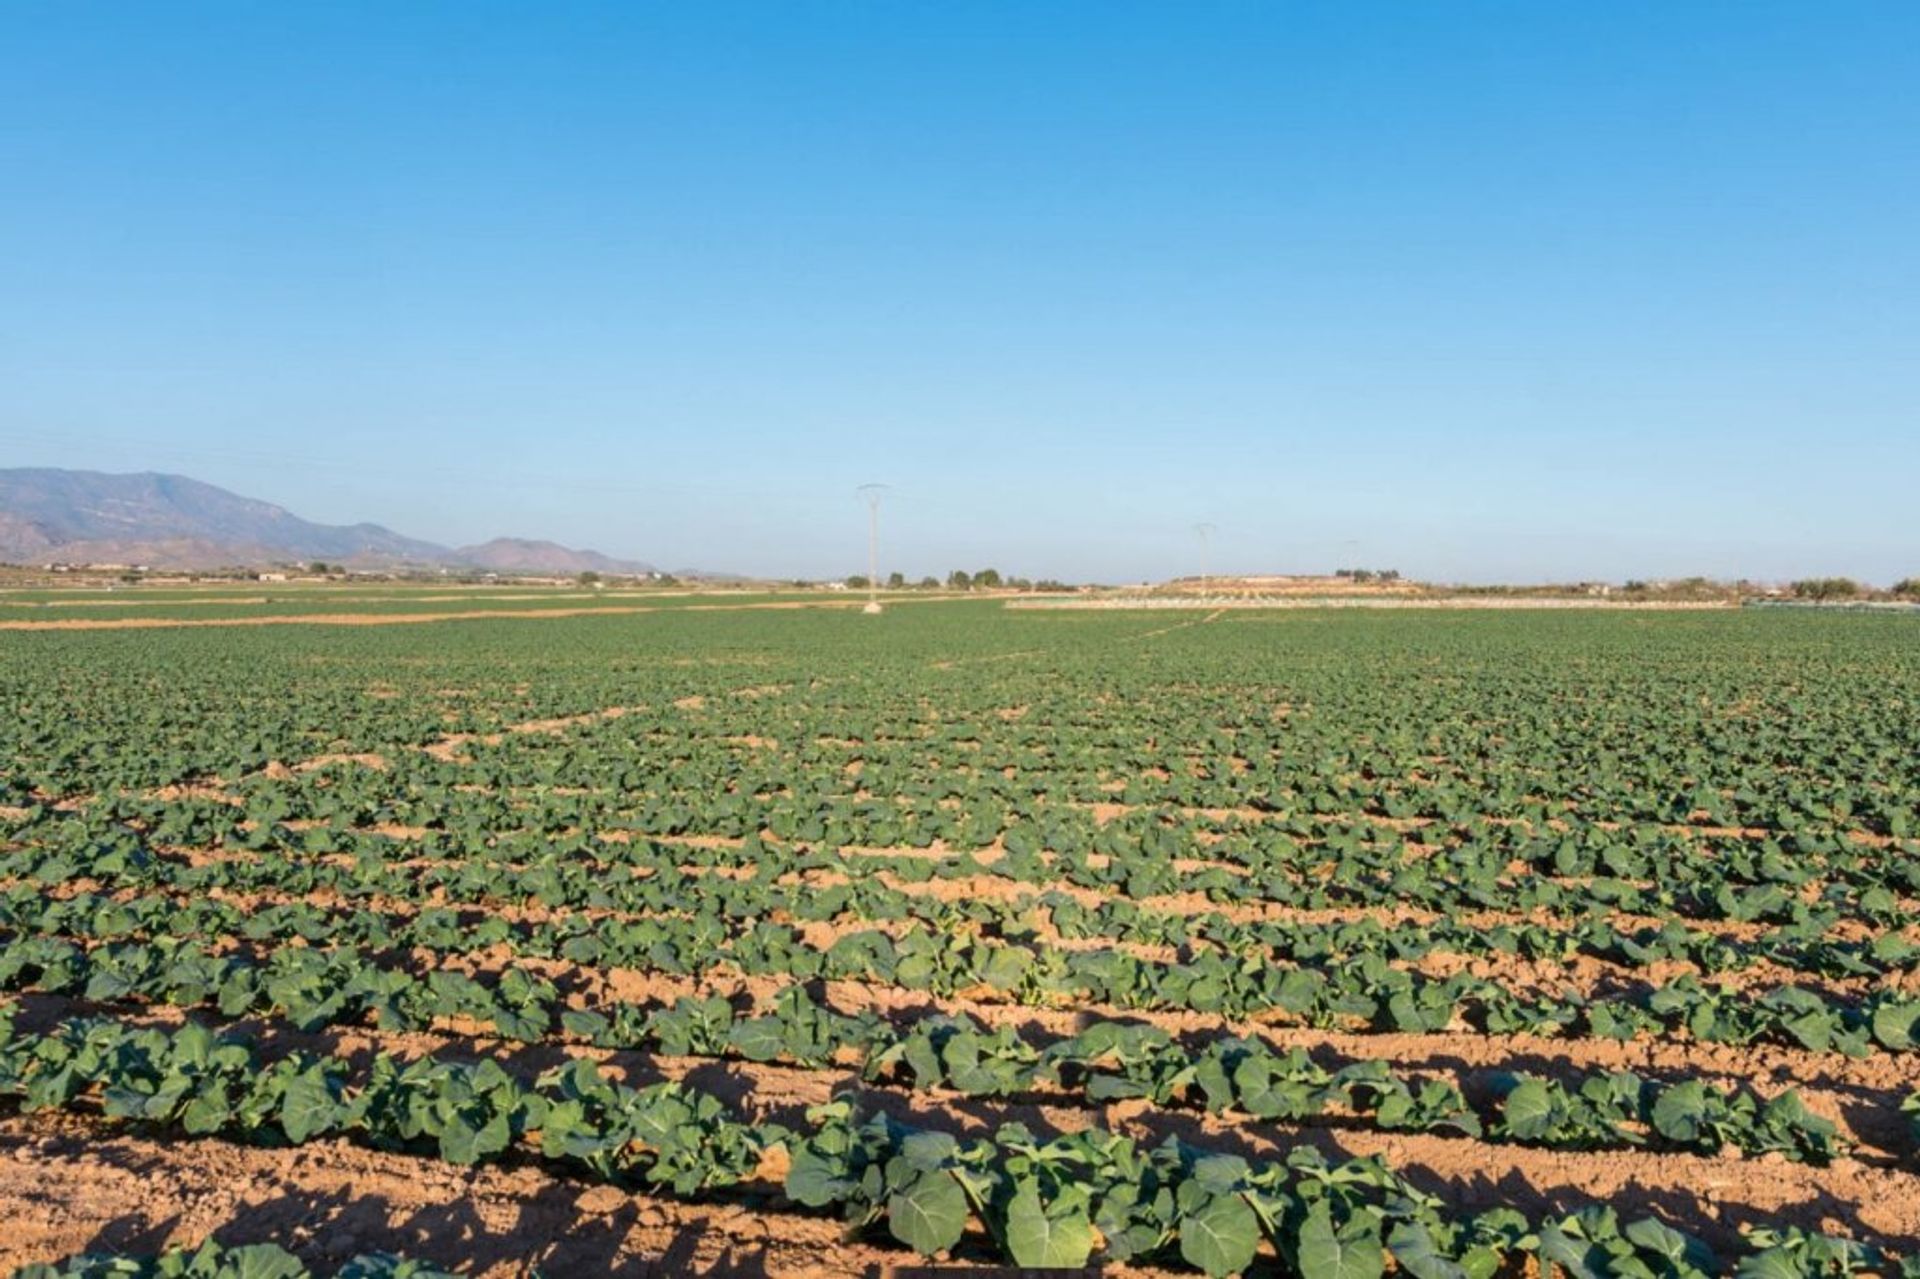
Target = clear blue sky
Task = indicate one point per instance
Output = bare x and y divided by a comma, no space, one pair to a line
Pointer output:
1476,291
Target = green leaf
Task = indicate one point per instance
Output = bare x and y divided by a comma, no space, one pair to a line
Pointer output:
307,1107
590,1026
1415,1252
382,1265
207,1113
262,1261
1036,1239
1897,1025
1679,1251
1681,1110
817,1180
1574,1253
1774,1263
1528,1110
930,1215
1330,1253
759,1039
1221,1236
461,1142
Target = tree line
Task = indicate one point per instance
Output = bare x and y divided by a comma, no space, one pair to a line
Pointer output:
986,579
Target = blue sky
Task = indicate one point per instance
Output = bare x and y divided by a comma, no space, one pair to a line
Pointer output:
1475,291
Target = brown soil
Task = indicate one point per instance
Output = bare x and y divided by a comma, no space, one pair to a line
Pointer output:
71,1185
952,663
366,759
313,619
448,749
171,794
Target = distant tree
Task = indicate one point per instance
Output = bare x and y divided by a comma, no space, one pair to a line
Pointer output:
987,578
959,580
665,579
1907,588
929,583
321,567
1826,588
896,580
857,582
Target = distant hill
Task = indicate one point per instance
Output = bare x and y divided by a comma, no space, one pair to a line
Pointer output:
171,521
523,555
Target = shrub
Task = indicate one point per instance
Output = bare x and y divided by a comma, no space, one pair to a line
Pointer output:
1826,588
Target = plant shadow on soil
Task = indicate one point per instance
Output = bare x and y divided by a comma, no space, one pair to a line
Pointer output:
552,1234
1871,1114
134,1232
1703,1213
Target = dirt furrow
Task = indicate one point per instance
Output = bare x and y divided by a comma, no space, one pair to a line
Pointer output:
1711,1196
71,1184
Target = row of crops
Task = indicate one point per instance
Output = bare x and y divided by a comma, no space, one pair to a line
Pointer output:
1313,943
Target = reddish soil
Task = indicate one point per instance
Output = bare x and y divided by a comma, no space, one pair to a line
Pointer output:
72,1185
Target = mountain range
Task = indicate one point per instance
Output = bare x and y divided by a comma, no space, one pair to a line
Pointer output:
49,515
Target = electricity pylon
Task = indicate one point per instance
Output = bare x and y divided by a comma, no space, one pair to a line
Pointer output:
872,493
1204,532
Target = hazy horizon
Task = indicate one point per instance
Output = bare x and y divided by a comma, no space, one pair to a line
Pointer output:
915,573
1479,292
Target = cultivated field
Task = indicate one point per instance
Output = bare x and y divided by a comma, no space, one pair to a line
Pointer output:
782,940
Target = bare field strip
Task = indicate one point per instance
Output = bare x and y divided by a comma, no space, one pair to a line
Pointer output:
390,619
1516,602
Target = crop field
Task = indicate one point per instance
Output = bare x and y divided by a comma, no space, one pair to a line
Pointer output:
788,941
